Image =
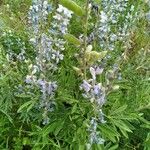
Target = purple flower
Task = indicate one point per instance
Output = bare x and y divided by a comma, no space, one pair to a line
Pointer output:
52,86
99,94
28,79
42,84
94,137
97,89
101,100
95,71
99,70
85,86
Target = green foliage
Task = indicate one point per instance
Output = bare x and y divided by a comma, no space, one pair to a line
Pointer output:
127,110
72,39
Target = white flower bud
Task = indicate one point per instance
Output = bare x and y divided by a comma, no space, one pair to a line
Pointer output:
89,48
116,87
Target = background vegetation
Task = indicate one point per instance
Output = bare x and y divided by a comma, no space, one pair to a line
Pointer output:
126,111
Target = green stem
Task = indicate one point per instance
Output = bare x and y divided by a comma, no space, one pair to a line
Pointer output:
85,37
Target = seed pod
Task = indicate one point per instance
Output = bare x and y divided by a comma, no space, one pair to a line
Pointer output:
71,5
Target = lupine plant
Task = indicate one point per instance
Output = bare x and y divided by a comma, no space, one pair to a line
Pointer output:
74,75
49,51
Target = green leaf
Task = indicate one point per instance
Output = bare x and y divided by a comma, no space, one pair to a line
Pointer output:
144,121
114,147
123,127
59,127
71,5
31,103
109,132
50,128
31,106
55,127
74,109
81,147
23,96
145,126
121,124
119,110
2,24
124,133
147,142
54,144
72,39
128,117
107,146
8,116
99,147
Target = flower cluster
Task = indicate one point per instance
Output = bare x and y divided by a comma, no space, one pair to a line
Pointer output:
51,45
38,14
47,99
48,47
92,90
59,28
62,19
94,135
116,19
114,23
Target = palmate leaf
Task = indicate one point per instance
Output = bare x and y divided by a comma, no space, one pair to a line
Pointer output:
71,5
123,126
118,110
109,132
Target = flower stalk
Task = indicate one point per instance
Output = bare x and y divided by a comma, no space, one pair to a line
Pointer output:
49,46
